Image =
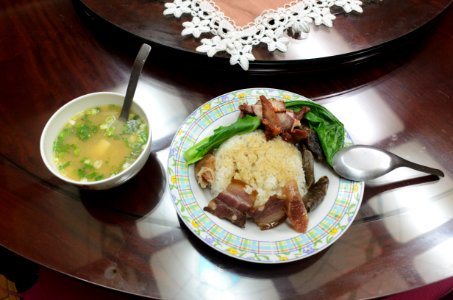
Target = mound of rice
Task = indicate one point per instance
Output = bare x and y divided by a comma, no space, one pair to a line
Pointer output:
265,166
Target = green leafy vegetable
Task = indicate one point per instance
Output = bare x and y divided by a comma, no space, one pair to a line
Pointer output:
59,145
85,131
131,126
329,129
64,165
88,171
220,135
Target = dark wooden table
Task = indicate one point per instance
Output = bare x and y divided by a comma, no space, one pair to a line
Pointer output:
130,238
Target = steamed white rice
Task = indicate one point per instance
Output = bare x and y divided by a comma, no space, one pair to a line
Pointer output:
265,166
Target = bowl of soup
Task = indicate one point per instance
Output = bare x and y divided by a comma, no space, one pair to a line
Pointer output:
84,143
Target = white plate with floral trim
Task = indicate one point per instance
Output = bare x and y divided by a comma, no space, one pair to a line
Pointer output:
327,222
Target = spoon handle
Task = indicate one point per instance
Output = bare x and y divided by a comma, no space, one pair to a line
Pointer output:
140,60
421,168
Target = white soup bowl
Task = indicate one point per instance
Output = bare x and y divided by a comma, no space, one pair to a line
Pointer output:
69,110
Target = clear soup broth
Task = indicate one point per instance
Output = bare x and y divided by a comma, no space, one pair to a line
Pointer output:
95,145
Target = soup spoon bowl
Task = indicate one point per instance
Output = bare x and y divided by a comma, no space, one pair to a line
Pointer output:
362,163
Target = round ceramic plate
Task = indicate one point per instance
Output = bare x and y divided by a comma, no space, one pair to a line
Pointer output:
327,222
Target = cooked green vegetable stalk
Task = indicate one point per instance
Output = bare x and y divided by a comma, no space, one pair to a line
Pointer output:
220,135
329,129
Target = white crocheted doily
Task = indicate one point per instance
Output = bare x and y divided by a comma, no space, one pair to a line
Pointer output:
272,27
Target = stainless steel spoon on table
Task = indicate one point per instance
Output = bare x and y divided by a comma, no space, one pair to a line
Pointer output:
140,60
361,163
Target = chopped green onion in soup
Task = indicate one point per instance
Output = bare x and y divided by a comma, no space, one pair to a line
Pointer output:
93,145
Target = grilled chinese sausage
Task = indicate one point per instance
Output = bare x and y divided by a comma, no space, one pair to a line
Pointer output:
316,193
308,164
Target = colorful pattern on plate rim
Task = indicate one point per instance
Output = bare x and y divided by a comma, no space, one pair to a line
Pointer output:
316,239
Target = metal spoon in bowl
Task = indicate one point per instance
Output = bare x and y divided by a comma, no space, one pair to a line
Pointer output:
140,60
361,163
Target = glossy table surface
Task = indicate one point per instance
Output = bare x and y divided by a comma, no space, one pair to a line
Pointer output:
381,22
130,238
